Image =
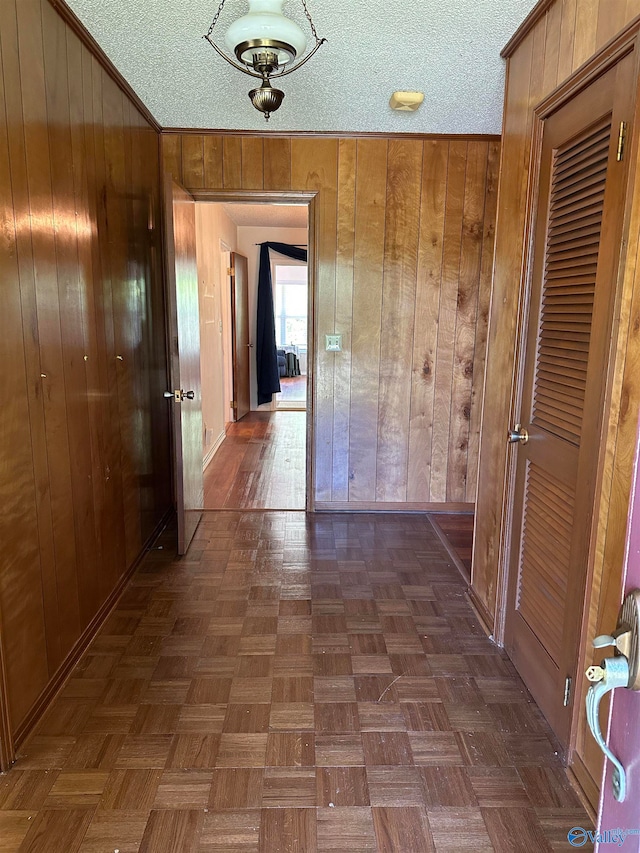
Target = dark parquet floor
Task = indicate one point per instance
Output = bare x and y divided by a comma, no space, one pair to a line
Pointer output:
294,684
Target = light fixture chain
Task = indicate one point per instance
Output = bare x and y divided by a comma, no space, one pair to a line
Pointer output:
215,17
311,24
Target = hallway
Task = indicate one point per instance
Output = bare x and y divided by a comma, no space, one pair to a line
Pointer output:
295,683
260,464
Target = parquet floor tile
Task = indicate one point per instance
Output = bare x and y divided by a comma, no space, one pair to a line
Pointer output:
294,684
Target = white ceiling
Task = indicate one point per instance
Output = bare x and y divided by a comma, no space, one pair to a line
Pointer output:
267,215
449,49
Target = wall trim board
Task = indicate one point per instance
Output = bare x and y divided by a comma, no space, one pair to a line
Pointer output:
391,506
584,786
7,748
324,134
57,682
212,450
446,544
303,197
483,614
75,24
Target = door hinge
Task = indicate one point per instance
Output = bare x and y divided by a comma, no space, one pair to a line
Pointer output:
231,271
621,140
233,404
567,690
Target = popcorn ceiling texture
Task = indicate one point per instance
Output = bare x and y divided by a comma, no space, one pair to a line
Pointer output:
449,49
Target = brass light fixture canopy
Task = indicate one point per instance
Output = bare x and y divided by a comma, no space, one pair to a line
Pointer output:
265,43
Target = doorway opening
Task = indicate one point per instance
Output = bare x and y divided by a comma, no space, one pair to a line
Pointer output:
255,454
290,291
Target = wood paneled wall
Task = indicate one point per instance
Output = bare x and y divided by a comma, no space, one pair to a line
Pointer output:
404,264
84,443
561,39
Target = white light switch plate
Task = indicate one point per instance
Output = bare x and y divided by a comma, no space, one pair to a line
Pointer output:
333,343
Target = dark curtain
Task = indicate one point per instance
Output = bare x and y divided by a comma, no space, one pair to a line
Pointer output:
266,358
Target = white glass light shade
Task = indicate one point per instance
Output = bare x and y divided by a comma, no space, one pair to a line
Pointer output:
265,22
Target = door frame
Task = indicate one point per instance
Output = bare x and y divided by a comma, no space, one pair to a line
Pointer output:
626,42
310,200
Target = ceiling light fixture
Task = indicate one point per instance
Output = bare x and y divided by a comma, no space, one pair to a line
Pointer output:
265,42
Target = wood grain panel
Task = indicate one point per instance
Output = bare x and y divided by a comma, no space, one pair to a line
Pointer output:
252,165
277,163
193,160
402,210
347,167
371,183
23,615
79,167
387,208
482,318
427,307
564,37
466,316
231,162
452,238
314,166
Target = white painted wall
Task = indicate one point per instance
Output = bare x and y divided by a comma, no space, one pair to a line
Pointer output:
213,228
248,236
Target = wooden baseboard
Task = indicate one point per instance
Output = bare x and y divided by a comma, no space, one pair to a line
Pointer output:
58,680
212,450
481,611
390,506
7,750
584,785
457,562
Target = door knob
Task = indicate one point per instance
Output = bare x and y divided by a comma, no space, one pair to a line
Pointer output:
179,395
518,435
621,670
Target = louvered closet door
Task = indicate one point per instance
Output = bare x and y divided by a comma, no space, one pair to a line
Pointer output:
577,237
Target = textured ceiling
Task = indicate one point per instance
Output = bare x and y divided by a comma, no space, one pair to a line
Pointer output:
267,215
448,49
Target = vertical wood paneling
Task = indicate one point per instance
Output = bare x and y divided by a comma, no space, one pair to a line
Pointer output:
371,193
78,170
172,155
212,176
404,179
466,315
23,615
84,359
232,162
427,309
482,318
404,259
502,328
347,168
443,391
536,65
193,160
586,27
552,49
314,166
612,16
252,166
567,38
277,163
